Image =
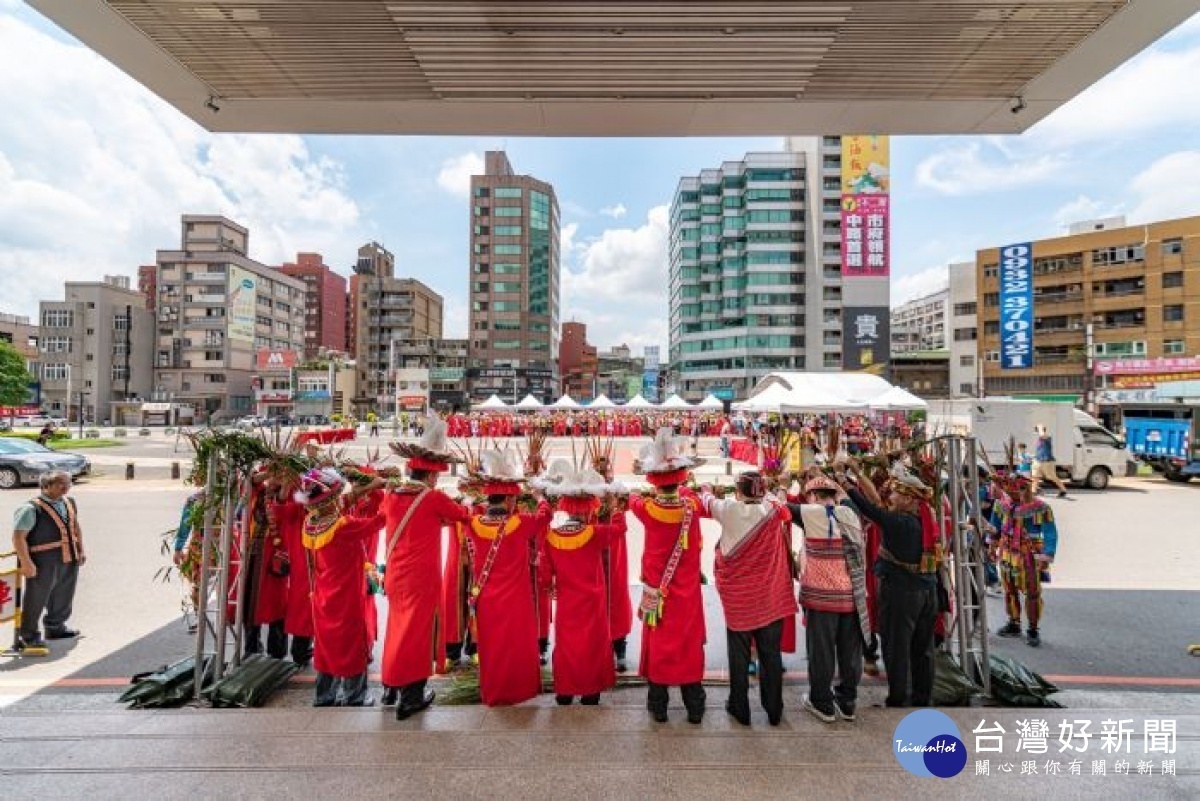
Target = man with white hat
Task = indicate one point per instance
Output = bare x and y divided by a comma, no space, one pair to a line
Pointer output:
416,512
672,607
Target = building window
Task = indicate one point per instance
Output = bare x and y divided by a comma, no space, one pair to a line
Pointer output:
1118,255
507,250
214,378
213,355
482,230
507,230
58,318
964,309
481,191
1172,247
1172,280
508,192
993,355
56,345
120,372
966,334
966,389
1135,348
1173,313
966,361
1173,347
55,372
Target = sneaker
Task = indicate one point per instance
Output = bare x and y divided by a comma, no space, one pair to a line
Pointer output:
738,715
844,710
1062,493
818,713
1033,639
1010,629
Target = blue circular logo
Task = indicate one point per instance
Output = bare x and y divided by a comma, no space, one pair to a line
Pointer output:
928,743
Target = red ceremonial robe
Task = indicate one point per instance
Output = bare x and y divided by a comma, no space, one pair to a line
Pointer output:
506,622
620,608
341,647
289,518
413,583
583,662
543,582
672,651
456,585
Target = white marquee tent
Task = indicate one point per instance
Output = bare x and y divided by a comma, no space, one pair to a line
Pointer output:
602,402
493,404
711,403
830,392
565,402
638,402
529,403
674,403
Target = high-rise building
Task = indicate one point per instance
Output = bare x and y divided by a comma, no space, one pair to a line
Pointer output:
577,362
756,282
373,260
1124,300
444,362
920,324
216,310
96,349
514,284
324,304
963,331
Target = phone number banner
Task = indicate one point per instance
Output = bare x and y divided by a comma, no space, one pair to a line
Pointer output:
865,239
1016,307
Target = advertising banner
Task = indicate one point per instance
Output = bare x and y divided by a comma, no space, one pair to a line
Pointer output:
865,236
276,361
866,336
650,385
1155,367
243,304
1016,307
866,165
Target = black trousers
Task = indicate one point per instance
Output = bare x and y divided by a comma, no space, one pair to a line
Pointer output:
693,696
51,591
277,643
412,694
770,669
907,614
833,640
335,691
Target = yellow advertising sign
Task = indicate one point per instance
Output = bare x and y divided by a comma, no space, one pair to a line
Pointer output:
866,165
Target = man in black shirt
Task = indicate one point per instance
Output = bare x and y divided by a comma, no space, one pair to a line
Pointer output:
907,583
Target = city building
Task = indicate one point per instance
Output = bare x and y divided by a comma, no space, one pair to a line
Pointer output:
514,284
920,323
386,310
324,304
147,284
444,362
963,331
756,274
619,374
578,366
1129,294
96,349
22,334
216,311
925,373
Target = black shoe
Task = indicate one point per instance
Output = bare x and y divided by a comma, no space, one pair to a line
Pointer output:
741,717
821,714
622,667
61,634
1010,629
31,644
659,715
406,711
1033,639
368,701
590,700
695,716
390,696
564,700
844,710
775,720
1062,493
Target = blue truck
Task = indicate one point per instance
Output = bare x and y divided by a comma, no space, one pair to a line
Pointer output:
1166,438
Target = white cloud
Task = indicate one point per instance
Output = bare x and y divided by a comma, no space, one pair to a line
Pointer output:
455,175
617,282
920,284
990,166
1168,188
1084,208
95,172
616,212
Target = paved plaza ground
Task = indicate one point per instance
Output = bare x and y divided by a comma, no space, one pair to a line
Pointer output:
1119,616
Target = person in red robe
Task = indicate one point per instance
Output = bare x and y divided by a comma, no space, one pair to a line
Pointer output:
336,531
297,619
672,608
575,551
506,622
266,589
415,513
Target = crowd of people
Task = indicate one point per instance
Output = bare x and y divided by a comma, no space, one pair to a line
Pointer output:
514,563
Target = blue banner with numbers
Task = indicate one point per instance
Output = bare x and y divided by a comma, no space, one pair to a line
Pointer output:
1016,307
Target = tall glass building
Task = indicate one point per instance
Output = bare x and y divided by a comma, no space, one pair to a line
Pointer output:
755,269
514,336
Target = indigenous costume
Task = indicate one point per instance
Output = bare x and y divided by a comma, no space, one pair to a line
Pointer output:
415,515
753,573
575,550
335,534
456,593
502,597
266,580
298,619
1026,541
833,593
672,608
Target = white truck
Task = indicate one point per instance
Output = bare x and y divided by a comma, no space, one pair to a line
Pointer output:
1086,452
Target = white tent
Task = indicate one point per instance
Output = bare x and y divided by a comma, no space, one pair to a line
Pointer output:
830,392
565,402
529,404
602,402
898,399
675,402
771,399
492,404
638,402
711,403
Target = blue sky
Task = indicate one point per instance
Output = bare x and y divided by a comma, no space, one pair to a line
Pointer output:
95,171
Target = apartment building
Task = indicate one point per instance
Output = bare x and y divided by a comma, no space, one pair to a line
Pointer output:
324,304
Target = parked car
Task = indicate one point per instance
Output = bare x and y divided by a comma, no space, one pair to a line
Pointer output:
23,461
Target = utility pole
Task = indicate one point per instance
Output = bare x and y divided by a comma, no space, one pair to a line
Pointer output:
81,394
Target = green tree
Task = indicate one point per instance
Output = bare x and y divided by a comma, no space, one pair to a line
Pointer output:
14,377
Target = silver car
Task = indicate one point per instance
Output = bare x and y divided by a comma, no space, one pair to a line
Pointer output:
22,461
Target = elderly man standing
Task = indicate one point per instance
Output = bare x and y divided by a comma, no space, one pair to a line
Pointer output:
47,539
